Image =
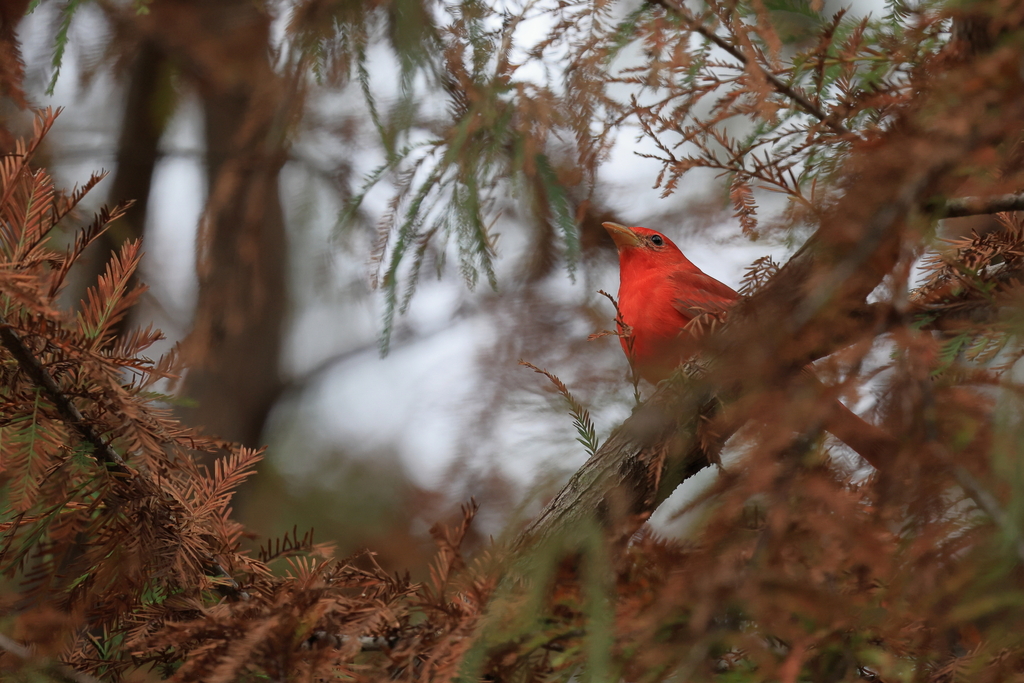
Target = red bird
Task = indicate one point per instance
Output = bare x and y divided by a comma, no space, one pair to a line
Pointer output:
661,291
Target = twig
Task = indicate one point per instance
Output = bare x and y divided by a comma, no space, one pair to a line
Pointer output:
625,332
985,500
780,86
634,471
103,451
977,206
953,208
32,367
60,671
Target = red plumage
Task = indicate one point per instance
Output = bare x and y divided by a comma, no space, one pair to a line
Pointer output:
660,292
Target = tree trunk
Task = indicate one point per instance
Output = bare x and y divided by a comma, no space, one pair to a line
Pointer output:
235,346
146,113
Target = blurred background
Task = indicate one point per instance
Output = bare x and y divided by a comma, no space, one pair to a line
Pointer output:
242,159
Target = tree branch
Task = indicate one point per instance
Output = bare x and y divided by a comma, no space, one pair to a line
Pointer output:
102,450
777,83
634,471
32,367
953,208
977,206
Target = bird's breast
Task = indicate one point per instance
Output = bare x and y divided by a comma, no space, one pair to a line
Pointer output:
648,307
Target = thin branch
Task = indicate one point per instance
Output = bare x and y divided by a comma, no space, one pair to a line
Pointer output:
975,490
59,671
634,471
977,206
32,367
103,451
953,208
780,86
986,501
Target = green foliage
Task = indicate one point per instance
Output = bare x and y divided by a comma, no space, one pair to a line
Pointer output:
448,186
560,209
60,44
580,415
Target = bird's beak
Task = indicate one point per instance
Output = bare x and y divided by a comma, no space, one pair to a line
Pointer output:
622,236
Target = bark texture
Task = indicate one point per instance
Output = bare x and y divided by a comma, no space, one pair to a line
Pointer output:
234,349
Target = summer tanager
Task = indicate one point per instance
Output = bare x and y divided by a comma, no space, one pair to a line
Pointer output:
661,291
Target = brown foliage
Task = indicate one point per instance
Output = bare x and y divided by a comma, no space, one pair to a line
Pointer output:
104,501
122,557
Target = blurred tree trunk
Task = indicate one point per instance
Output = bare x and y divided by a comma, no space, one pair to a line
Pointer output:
235,346
146,113
12,69
148,107
223,50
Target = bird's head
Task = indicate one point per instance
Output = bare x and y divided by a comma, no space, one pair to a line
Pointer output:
643,245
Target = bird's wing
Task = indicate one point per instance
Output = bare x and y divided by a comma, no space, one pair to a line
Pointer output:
698,293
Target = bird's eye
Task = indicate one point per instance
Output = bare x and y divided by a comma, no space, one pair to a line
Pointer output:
657,240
